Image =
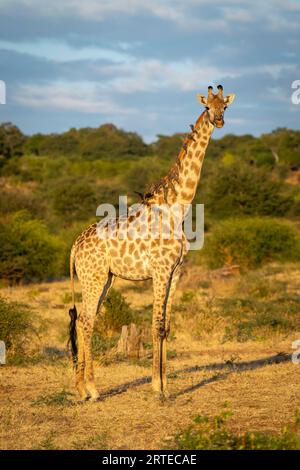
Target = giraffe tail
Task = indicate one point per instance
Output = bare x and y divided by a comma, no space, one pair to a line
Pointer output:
73,312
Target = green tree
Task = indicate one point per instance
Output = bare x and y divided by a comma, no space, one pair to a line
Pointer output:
11,141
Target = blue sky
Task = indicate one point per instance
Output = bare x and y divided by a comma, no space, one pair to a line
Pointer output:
139,64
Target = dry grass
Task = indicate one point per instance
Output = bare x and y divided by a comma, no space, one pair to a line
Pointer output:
39,408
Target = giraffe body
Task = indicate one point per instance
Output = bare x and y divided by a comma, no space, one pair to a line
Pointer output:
99,257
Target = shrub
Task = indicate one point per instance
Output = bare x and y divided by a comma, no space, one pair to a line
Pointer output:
250,319
143,174
212,433
251,242
28,251
75,199
16,200
15,325
167,147
117,311
240,189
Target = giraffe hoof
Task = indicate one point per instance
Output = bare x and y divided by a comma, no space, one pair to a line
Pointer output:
95,399
162,397
82,401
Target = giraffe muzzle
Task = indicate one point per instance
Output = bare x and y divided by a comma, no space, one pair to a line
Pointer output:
219,123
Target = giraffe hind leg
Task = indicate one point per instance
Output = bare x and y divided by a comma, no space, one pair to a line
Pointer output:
80,364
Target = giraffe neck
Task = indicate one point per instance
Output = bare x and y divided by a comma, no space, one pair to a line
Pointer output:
191,160
180,185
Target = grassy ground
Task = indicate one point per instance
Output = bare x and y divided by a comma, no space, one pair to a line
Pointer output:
210,363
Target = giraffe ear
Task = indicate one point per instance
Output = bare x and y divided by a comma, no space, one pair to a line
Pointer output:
202,99
229,99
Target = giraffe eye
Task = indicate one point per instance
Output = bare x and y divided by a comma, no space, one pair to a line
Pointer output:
225,107
207,108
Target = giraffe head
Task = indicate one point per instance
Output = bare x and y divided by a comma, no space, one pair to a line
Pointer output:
216,105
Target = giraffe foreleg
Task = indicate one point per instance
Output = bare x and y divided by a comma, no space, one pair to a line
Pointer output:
93,294
164,290
161,289
172,291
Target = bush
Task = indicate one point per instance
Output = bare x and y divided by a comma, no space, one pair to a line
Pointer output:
117,312
168,147
251,242
212,433
15,325
16,200
143,174
28,251
240,189
75,199
250,319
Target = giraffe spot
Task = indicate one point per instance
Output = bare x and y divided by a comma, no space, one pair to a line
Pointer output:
195,167
128,260
113,253
190,183
169,241
139,265
186,196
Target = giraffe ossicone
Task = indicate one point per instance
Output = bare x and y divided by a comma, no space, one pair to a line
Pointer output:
99,259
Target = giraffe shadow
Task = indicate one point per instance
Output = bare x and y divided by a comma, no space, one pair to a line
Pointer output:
224,370
229,368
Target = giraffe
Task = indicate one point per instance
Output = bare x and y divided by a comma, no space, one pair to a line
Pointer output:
100,259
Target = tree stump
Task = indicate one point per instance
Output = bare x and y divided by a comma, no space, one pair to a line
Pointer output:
130,344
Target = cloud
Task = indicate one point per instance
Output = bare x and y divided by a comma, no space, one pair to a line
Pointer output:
238,15
100,10
83,97
62,52
142,62
188,14
145,75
